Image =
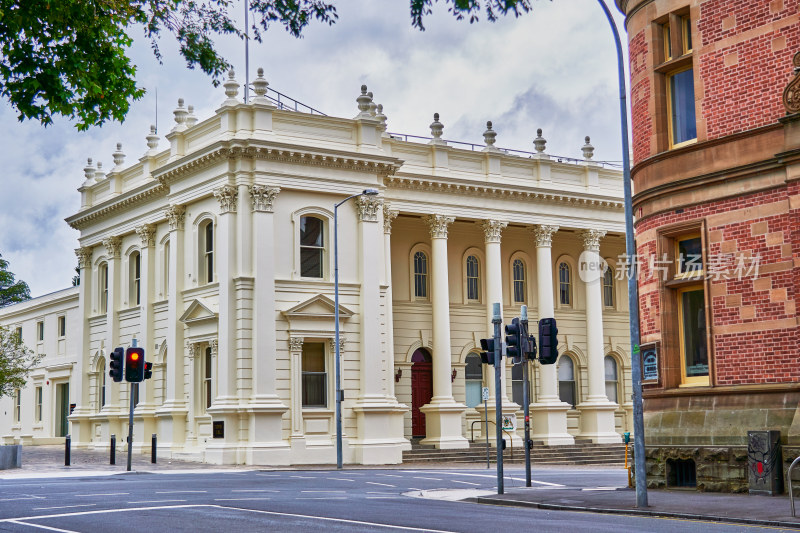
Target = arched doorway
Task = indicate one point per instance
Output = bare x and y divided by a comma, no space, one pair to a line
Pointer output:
421,389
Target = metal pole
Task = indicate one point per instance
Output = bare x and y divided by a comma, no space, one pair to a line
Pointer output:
67,450
113,451
526,395
336,340
486,432
130,417
246,51
633,293
498,368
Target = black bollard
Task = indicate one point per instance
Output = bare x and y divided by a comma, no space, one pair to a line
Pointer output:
67,446
153,449
113,451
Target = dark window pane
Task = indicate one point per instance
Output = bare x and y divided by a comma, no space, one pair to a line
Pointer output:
311,231
314,389
684,126
209,237
473,369
420,275
519,281
690,255
694,333
472,278
608,288
311,262
566,392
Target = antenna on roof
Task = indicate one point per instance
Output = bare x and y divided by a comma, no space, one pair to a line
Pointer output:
156,121
246,51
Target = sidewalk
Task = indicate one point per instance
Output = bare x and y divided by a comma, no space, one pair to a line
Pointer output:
685,504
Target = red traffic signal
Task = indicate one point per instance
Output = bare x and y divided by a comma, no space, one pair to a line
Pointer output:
134,365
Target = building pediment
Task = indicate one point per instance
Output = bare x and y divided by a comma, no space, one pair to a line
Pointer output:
318,307
198,312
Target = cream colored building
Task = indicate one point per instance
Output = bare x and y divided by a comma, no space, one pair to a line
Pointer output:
217,256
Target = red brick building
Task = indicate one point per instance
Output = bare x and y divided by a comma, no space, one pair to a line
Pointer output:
716,177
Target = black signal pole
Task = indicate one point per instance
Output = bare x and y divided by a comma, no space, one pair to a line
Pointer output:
498,368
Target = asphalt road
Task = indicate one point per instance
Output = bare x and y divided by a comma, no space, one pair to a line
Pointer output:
349,500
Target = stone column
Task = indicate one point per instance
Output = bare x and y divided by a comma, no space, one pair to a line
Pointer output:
81,425
597,413
549,413
442,415
265,409
388,216
171,416
112,245
224,408
146,407
296,369
378,416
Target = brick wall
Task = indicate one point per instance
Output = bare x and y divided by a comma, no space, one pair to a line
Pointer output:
642,122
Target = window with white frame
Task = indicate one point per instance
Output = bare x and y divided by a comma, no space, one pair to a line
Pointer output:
208,365
103,287
206,247
473,279
608,287
473,380
17,405
564,284
611,378
62,327
37,393
312,247
520,283
565,369
102,366
40,331
135,265
420,275
314,376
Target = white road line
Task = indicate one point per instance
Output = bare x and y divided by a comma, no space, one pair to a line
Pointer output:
381,484
23,498
600,488
431,478
383,493
387,475
326,491
156,501
106,494
483,475
380,497
253,490
325,518
303,477
64,507
102,511
48,528
238,499
466,483
181,491
340,479
322,497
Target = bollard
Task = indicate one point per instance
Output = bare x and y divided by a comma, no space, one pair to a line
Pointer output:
113,451
153,450
67,446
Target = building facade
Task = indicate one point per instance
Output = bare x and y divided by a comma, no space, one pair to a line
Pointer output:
716,149
216,255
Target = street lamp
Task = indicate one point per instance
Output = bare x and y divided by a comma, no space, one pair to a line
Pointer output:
337,364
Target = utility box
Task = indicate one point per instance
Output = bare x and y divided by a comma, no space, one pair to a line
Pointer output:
764,460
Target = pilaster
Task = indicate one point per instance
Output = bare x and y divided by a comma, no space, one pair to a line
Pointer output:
79,419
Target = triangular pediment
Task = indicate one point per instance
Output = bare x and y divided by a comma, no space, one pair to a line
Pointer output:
197,312
319,307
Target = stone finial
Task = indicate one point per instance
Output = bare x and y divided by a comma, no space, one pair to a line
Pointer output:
191,118
180,114
99,174
119,157
363,100
231,89
539,142
381,117
489,137
89,170
791,94
437,128
587,149
152,139
260,84
373,107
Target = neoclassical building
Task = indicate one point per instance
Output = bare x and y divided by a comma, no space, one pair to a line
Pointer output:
216,255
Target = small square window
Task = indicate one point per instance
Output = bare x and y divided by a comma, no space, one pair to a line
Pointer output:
689,256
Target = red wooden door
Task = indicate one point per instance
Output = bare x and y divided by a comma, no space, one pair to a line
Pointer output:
421,394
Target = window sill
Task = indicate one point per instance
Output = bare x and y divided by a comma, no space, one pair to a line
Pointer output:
674,64
684,282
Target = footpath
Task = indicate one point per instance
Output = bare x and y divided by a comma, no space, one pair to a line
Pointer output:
774,511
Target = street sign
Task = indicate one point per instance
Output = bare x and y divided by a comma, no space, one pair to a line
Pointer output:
650,363
510,422
485,393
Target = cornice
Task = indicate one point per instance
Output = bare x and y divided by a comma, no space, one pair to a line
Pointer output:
123,202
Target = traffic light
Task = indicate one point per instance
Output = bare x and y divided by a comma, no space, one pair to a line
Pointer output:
548,341
487,351
115,364
514,340
134,365
529,343
148,370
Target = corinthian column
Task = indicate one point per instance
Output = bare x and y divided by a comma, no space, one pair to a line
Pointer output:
443,414
597,413
549,412
388,216
81,425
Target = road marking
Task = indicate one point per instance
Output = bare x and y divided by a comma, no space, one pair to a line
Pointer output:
181,491
23,498
466,483
106,494
101,511
383,493
238,499
156,501
303,477
431,478
322,497
64,507
48,528
253,490
381,484
388,475
341,479
325,491
482,475
600,488
380,497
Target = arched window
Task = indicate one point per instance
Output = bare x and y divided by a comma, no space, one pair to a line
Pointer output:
564,284
473,278
611,379
473,380
565,369
102,384
103,287
420,275
206,248
608,287
518,382
520,287
312,247
135,276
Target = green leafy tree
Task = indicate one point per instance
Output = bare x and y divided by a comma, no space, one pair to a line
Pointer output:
16,362
69,57
11,291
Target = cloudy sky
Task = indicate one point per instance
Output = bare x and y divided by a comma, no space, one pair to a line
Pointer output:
554,68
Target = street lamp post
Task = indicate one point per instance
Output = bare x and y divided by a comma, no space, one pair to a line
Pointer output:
633,292
337,363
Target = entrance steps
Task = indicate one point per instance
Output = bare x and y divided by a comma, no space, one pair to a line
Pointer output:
580,453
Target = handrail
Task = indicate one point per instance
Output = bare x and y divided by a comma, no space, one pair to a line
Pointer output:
293,104
510,440
789,475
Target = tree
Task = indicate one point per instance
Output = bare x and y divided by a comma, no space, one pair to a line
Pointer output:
16,362
68,57
11,291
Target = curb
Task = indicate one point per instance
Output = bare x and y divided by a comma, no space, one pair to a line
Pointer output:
631,512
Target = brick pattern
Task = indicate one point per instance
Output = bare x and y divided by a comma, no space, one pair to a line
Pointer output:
747,15
641,120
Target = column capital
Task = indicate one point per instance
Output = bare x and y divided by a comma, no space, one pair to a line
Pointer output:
388,217
147,232
438,225
543,235
342,341
591,239
368,207
295,344
113,246
192,349
492,230
262,197
227,195
84,256
214,344
175,214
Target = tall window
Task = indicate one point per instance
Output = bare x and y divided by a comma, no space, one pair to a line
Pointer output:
473,380
135,261
207,247
315,379
564,284
565,369
611,379
473,278
19,333
420,275
103,384
62,326
17,406
608,287
517,384
103,281
520,287
207,383
38,396
689,256
312,247
692,335
40,331
680,94
166,268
